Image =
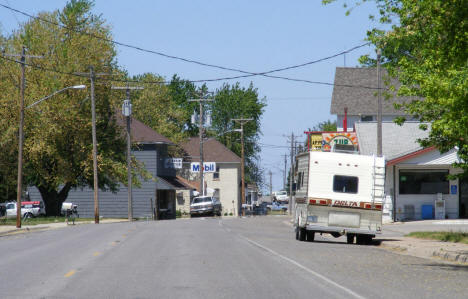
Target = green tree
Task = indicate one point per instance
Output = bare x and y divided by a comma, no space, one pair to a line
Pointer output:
231,102
158,108
180,91
426,48
327,126
58,144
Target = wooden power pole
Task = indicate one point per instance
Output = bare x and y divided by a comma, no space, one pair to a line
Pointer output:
19,191
242,121
92,76
127,112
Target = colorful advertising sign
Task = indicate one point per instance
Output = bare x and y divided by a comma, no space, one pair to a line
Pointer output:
315,142
344,138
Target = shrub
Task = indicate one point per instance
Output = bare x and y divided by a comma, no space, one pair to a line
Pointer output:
225,213
230,214
178,213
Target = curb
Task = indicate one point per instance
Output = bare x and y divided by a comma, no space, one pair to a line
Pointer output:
451,256
22,230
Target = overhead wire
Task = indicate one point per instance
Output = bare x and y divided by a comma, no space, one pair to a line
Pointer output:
246,73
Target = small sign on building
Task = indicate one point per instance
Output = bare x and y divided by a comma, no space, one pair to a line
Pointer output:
207,167
173,163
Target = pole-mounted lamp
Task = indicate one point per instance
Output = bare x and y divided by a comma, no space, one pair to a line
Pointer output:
20,147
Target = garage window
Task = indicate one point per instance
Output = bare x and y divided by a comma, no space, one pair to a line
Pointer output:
345,184
424,181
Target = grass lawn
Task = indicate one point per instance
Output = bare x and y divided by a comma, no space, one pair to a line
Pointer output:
40,220
455,237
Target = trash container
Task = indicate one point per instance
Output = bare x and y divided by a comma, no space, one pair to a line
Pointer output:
427,212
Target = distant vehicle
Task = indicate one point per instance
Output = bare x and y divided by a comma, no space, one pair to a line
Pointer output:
29,209
205,205
340,194
281,196
275,206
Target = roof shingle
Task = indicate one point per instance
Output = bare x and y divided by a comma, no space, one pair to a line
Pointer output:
141,133
361,100
213,151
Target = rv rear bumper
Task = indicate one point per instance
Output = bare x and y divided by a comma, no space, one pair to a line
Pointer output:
341,230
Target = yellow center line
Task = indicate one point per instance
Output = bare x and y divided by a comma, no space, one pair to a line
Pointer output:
96,253
70,273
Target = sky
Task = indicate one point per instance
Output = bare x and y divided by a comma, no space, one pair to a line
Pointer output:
253,36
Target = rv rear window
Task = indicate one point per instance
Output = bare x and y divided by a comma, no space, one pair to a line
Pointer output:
345,184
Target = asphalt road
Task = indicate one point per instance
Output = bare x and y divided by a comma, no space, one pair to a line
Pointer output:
212,258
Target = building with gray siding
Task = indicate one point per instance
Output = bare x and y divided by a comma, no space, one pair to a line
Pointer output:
151,149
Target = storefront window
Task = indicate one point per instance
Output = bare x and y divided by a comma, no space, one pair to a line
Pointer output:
424,182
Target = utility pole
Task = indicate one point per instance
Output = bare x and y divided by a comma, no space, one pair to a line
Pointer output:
20,131
284,173
271,186
291,175
379,107
92,77
200,135
95,173
242,121
127,112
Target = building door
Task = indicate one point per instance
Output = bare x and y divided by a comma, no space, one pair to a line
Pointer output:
463,201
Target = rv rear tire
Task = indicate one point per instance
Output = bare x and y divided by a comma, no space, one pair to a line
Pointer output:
310,235
363,239
302,234
350,239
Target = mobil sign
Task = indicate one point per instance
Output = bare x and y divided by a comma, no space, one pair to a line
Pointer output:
207,167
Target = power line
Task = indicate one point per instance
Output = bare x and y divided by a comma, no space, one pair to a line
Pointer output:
191,81
247,74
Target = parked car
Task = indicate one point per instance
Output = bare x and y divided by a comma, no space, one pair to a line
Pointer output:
205,205
29,209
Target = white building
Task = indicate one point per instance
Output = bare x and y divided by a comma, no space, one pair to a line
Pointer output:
224,182
414,175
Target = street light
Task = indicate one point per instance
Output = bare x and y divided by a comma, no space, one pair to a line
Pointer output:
56,92
20,145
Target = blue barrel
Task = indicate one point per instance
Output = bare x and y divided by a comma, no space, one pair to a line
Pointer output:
427,212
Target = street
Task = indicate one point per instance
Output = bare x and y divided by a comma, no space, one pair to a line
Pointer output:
255,257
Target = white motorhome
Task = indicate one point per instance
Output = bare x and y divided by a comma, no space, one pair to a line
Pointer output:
339,194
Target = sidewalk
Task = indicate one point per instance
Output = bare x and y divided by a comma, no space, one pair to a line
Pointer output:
446,251
393,238
6,230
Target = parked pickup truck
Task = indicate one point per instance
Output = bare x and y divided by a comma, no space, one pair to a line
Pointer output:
29,209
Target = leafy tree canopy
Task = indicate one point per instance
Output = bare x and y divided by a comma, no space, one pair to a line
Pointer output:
58,143
233,102
326,125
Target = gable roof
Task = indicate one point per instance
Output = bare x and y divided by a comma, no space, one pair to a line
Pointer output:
360,100
213,151
397,140
141,133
